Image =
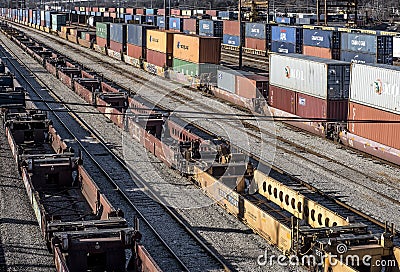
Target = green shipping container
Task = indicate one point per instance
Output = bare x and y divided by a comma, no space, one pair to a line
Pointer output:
57,21
194,69
103,30
83,35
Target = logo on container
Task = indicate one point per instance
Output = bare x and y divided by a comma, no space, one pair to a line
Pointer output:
152,39
316,37
206,26
357,42
287,71
378,86
254,29
182,46
174,24
282,36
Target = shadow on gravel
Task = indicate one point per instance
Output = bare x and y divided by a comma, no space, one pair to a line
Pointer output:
247,231
18,221
3,266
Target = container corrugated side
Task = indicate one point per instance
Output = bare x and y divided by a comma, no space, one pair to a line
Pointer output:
226,80
191,25
231,40
135,51
197,49
158,40
176,23
282,99
256,30
357,57
194,69
258,44
136,34
317,38
159,59
103,30
376,86
358,42
118,33
282,47
231,28
384,133
396,47
316,51
283,34
251,86
310,75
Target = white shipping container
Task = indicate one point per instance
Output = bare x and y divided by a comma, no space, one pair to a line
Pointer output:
377,86
396,47
308,75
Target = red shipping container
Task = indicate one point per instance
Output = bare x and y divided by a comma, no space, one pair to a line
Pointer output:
159,59
42,23
251,86
161,12
116,46
386,134
317,51
111,10
231,28
282,99
257,44
30,14
101,41
95,9
190,25
130,11
113,15
134,51
313,107
87,9
140,11
176,12
212,12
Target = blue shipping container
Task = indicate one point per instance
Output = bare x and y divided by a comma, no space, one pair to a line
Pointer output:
128,17
136,34
150,19
176,23
150,11
282,47
285,20
227,15
284,34
256,30
161,22
140,19
317,37
357,42
357,57
210,28
231,40
118,33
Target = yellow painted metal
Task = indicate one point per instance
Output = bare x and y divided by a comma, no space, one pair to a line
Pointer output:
301,207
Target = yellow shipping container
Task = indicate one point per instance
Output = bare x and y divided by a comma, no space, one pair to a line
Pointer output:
82,9
159,40
102,9
197,49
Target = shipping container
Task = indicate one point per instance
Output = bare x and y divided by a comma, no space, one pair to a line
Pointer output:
151,19
187,12
321,52
305,21
197,49
251,86
135,51
231,40
318,38
160,40
308,106
212,12
102,42
226,80
282,47
357,57
161,11
116,46
159,59
285,20
256,30
176,12
139,19
103,30
396,47
358,42
190,26
282,99
118,33
210,28
150,11
161,22
227,15
287,34
140,11
128,18
324,78
384,133
257,44
379,87
194,69
58,20
232,28
176,24
136,34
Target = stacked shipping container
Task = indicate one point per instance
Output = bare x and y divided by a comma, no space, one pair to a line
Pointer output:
159,47
136,40
210,28
231,32
285,39
321,43
256,36
103,34
190,26
375,97
365,48
309,87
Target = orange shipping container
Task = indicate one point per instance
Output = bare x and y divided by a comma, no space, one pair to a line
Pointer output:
197,49
251,86
321,52
160,40
386,134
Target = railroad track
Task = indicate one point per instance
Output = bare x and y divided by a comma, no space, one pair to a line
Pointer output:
173,245
205,107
